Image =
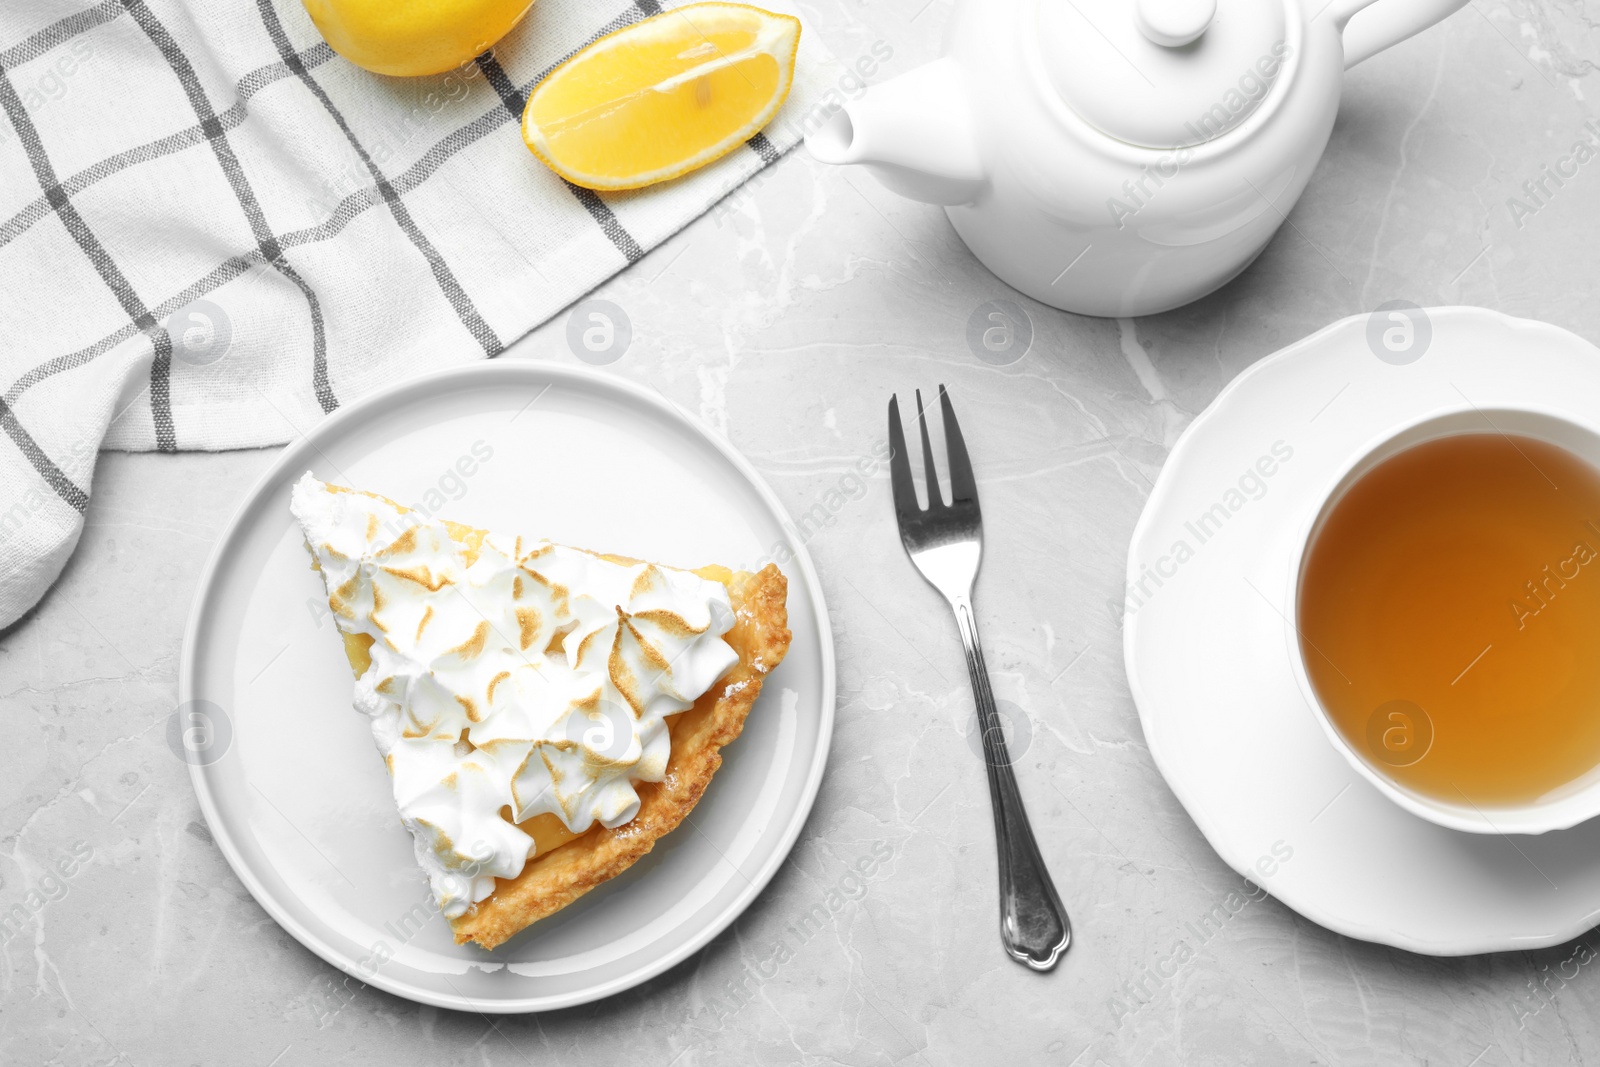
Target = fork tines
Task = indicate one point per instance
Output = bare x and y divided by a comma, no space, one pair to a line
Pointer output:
963,488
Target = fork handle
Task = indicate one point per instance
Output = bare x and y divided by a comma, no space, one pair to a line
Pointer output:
1033,925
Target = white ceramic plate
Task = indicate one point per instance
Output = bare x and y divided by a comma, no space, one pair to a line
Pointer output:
290,782
1207,647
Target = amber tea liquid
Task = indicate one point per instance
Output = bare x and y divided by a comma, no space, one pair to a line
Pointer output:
1449,616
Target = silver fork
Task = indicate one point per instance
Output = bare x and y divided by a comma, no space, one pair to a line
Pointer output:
945,542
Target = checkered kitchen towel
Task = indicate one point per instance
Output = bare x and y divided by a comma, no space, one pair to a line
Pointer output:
214,230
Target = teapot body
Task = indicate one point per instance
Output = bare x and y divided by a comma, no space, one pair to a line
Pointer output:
1095,225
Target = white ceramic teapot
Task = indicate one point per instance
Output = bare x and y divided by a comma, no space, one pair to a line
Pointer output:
1119,157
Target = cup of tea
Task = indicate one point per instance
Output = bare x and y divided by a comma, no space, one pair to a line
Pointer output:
1446,598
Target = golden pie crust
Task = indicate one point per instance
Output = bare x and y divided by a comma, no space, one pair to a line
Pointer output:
554,879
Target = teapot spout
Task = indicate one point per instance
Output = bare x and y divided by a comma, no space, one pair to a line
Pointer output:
914,133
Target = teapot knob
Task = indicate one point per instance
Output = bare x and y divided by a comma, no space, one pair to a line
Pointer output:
1174,23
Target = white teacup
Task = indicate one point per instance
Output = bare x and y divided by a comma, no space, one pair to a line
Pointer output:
1563,807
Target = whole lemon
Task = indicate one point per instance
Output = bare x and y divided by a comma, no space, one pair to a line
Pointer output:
414,37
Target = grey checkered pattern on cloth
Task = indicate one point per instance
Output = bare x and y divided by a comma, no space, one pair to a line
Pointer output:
214,230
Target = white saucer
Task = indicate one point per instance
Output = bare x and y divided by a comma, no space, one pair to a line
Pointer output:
289,780
1207,649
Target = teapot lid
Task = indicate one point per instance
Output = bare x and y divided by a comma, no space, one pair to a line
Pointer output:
1163,73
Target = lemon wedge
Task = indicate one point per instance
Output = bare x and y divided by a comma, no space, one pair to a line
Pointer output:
664,96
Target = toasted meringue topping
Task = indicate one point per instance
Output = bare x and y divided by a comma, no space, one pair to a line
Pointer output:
508,674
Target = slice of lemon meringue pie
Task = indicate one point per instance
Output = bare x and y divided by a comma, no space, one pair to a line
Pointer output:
546,713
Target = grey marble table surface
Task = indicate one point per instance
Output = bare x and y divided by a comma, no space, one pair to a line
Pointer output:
785,320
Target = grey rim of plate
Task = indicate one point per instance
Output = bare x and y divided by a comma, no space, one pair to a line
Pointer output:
514,372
